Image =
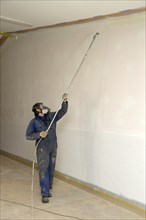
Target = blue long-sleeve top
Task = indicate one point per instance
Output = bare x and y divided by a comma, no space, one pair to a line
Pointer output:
41,123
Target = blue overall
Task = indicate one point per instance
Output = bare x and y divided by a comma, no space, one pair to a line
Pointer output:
47,148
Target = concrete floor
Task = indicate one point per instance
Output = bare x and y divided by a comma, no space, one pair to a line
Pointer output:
68,201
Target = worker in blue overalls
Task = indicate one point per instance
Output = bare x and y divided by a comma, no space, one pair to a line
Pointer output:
47,148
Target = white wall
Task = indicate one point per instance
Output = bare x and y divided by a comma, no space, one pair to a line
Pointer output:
101,139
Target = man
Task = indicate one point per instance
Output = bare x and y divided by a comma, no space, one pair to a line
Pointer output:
47,147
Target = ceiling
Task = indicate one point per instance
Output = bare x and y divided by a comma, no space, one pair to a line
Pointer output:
28,14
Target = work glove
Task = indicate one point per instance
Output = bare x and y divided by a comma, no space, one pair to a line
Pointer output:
65,97
43,134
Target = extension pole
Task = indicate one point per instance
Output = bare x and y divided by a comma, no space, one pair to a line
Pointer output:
82,61
71,83
94,37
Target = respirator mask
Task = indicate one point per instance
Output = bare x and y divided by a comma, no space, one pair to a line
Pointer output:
44,109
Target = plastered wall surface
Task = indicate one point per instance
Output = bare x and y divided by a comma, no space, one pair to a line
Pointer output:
102,138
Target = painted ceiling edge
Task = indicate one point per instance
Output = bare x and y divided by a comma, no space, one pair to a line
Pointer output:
87,20
81,21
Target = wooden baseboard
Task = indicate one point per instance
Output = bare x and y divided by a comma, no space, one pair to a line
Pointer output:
86,187
17,158
102,194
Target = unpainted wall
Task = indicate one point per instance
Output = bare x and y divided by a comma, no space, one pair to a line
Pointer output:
101,139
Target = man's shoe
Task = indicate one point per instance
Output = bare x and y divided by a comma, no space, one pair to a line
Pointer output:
45,199
49,195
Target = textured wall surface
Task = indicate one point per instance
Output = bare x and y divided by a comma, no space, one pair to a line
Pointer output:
101,139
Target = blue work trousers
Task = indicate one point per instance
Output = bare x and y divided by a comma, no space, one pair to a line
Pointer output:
46,159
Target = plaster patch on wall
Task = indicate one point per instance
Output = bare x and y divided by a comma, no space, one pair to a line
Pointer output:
130,67
118,46
129,102
107,100
120,121
142,123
